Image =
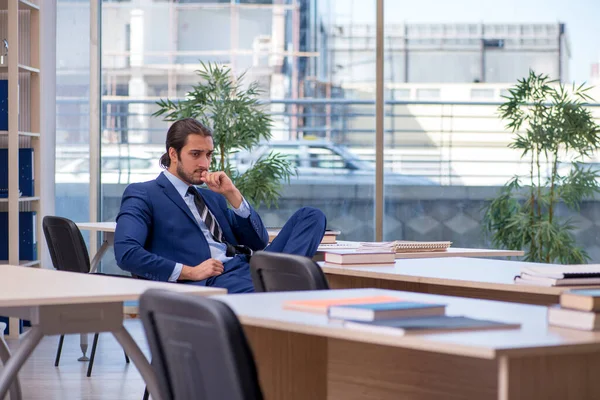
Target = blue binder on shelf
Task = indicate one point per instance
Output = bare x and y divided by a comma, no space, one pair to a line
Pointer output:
26,168
27,236
7,331
3,105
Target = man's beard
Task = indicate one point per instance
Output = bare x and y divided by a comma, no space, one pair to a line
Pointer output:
187,177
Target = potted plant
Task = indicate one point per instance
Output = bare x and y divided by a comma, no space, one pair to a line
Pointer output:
552,128
239,124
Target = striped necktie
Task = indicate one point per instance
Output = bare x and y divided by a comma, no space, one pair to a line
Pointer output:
206,215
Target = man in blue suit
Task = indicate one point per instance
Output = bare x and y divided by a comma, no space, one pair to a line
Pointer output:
170,230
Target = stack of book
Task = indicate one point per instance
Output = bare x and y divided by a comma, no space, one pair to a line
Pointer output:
357,257
330,236
562,275
387,314
578,309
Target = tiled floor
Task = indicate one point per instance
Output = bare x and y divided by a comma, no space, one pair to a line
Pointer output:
111,377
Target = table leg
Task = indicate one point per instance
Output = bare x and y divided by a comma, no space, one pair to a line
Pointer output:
98,256
14,364
139,360
83,344
108,241
15,389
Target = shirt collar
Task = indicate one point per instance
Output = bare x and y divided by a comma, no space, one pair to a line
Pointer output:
179,185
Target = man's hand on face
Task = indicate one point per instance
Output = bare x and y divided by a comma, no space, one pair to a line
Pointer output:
220,183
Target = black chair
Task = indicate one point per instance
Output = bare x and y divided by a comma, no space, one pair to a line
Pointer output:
278,272
199,350
68,253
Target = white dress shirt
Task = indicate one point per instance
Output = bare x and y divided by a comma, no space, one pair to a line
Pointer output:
217,249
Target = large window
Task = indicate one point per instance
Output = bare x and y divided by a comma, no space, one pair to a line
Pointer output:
446,150
448,130
151,50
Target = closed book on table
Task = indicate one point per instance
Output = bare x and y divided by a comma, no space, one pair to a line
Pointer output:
563,271
525,279
581,299
428,325
357,257
405,246
330,236
573,319
322,305
398,309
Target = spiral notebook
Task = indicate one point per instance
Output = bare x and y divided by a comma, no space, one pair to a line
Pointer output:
563,275
404,246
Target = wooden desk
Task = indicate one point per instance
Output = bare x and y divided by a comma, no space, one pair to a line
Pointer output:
59,302
108,233
451,252
304,356
465,277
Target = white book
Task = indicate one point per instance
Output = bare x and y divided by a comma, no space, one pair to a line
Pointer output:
525,279
564,271
575,319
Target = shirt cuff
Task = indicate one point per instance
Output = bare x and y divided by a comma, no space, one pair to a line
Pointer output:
243,210
176,272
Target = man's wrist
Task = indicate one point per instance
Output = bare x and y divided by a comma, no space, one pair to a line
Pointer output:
185,273
235,198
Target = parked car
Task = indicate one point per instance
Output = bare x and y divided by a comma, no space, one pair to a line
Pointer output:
113,169
323,162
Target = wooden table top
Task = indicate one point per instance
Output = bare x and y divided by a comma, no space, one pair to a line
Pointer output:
26,286
457,272
97,226
265,310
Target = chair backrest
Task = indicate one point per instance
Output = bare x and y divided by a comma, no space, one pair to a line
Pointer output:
66,245
278,272
199,350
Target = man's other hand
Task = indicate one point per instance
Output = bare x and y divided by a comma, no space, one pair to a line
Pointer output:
204,270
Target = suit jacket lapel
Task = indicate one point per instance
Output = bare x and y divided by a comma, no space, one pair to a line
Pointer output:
175,197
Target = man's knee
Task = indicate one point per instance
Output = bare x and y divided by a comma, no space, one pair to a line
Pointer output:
313,214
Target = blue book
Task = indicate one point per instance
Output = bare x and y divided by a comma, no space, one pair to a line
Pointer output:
428,325
377,311
27,236
26,168
7,330
3,105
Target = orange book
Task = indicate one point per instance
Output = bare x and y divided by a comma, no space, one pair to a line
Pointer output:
321,305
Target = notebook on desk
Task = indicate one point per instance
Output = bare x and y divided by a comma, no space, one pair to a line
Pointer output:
428,325
329,238
322,305
562,275
405,246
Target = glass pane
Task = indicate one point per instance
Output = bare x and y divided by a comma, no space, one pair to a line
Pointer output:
321,101
447,131
72,110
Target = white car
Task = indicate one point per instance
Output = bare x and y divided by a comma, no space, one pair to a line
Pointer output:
113,169
323,162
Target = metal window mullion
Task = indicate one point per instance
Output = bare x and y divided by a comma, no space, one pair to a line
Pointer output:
379,121
94,145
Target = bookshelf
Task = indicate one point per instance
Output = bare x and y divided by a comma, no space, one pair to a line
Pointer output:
20,26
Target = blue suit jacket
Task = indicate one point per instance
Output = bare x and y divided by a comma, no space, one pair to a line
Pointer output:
156,229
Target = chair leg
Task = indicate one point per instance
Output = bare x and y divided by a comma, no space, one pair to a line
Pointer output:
93,355
126,357
146,394
59,350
